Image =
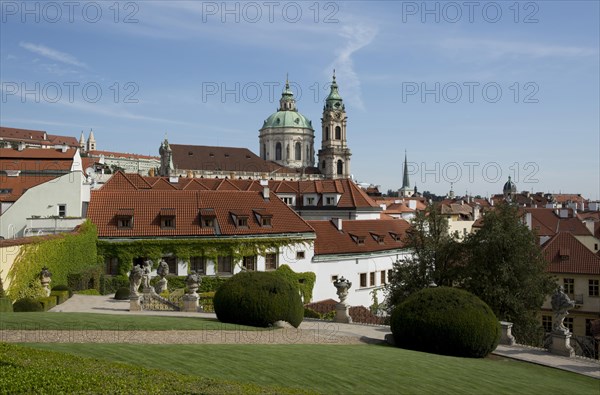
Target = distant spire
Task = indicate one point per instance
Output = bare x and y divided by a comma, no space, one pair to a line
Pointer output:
287,101
334,100
405,180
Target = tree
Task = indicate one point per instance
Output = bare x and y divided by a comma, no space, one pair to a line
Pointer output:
505,268
434,258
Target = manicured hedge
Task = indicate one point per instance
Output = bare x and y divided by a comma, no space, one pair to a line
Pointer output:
122,294
62,287
258,299
48,302
61,296
27,304
446,321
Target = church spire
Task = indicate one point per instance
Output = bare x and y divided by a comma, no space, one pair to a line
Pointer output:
334,100
405,180
287,101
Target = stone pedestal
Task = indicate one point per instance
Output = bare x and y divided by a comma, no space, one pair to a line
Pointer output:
134,303
341,313
561,344
190,303
506,337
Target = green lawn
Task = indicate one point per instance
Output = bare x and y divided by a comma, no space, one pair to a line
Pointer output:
343,369
111,322
27,371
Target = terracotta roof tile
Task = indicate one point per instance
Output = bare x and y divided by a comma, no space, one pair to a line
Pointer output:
566,254
332,241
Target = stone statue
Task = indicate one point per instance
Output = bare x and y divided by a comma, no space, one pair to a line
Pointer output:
561,303
192,282
146,269
342,286
162,271
45,279
135,280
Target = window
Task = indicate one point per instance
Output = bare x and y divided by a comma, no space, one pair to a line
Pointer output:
595,246
593,287
288,200
264,151
265,221
394,236
62,210
208,222
112,266
340,167
323,165
249,263
588,327
271,261
334,278
5,191
167,222
326,134
372,279
242,222
310,201
378,238
278,151
298,151
300,255
569,285
363,280
330,201
360,240
389,276
547,323
568,322
125,222
225,265
197,264
383,282
338,133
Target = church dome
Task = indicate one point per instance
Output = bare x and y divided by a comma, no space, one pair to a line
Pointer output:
509,187
287,119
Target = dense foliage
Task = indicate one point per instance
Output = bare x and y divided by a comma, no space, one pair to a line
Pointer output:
435,253
305,281
446,321
122,294
27,370
5,303
258,299
27,305
62,287
506,269
62,254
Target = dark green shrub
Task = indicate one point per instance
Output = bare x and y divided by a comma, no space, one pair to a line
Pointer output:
48,302
122,294
27,304
110,284
60,296
310,313
92,291
62,287
258,299
6,305
446,321
86,279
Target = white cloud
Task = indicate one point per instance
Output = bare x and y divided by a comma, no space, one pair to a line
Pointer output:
357,36
53,54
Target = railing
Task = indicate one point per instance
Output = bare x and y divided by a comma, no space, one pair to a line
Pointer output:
584,346
154,302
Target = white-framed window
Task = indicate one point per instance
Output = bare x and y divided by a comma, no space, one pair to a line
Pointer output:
62,210
363,280
300,255
593,287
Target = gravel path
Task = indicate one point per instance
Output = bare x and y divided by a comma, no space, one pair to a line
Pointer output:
278,336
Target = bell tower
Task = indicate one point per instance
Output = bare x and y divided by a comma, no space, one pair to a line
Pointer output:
334,155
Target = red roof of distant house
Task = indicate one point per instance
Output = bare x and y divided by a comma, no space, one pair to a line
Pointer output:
36,137
111,154
36,159
359,236
566,254
351,195
148,205
546,222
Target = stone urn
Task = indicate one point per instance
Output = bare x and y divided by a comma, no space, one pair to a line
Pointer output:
342,286
45,279
192,282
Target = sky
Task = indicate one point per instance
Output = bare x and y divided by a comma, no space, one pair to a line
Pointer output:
473,92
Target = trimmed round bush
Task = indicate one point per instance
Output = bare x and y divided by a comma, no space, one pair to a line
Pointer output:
27,304
62,287
122,293
446,321
258,299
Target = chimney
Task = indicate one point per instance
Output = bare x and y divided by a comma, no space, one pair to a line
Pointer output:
476,212
265,191
412,204
21,146
337,222
528,220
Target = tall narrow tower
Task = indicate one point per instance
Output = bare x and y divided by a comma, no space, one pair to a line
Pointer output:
91,143
405,191
82,142
334,155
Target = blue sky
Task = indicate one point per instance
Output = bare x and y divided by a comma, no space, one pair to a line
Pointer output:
474,93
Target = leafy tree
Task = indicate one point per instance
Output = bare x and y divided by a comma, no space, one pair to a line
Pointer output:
505,268
434,259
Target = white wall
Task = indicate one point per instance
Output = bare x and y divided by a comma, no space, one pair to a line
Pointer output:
43,200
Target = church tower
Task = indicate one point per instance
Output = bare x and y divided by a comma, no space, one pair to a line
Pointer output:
82,142
91,142
334,155
405,191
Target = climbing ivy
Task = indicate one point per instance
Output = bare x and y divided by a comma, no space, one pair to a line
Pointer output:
62,254
304,280
155,249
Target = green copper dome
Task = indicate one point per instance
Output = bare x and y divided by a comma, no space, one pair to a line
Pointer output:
334,100
287,119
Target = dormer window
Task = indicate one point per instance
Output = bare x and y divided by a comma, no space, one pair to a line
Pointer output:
564,254
263,217
330,201
358,239
240,219
394,236
125,218
167,218
242,222
207,218
378,238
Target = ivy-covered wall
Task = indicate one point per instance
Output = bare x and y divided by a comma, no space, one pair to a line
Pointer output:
126,251
63,254
304,280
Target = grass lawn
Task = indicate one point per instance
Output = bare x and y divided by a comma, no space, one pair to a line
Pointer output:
110,322
343,369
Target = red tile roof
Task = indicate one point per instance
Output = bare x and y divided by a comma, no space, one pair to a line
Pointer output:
147,205
36,160
36,137
332,241
111,154
546,222
566,254
352,196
